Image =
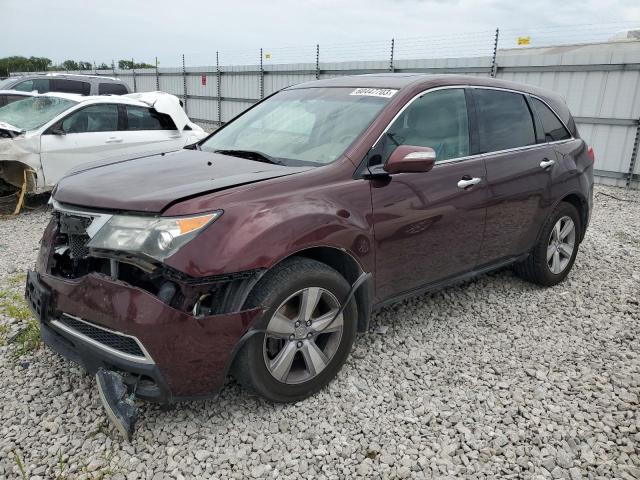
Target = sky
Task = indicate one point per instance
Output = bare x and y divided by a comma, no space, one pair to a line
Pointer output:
102,31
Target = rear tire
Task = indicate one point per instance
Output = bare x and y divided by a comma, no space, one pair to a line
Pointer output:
555,252
288,363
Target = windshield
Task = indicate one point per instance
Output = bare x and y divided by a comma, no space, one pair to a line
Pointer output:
33,112
309,126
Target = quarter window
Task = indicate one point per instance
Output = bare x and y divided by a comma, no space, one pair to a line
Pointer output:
95,118
438,120
553,128
71,86
504,120
139,118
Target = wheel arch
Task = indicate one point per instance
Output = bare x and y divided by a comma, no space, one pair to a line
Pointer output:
581,204
345,264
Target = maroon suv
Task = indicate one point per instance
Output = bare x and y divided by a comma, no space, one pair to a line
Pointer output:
262,250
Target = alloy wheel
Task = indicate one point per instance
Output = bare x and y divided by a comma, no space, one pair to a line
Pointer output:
561,245
301,338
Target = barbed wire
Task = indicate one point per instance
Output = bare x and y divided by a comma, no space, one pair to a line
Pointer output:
454,45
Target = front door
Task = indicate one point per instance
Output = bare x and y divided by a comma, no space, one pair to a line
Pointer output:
428,227
87,135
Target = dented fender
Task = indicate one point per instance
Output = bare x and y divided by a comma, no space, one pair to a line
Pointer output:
20,153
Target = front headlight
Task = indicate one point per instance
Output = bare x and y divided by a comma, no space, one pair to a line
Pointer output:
157,237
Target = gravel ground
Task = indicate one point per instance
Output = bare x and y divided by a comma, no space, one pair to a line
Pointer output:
494,378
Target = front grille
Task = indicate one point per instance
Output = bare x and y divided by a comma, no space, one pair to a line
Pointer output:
78,245
113,340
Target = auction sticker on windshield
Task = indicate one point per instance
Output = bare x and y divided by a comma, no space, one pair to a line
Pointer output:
375,92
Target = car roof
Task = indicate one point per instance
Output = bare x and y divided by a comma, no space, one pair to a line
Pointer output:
17,92
76,97
70,76
406,80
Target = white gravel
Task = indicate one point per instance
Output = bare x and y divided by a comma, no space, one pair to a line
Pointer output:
492,379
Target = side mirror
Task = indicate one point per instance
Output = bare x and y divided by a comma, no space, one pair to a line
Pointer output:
409,159
57,130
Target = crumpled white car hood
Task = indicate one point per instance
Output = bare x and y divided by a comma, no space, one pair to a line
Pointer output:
10,128
163,103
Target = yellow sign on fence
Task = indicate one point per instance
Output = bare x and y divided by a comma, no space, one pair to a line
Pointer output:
267,56
524,40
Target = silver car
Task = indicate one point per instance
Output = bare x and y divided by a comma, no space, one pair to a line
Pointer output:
66,83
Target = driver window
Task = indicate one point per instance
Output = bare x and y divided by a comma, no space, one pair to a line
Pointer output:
438,120
95,118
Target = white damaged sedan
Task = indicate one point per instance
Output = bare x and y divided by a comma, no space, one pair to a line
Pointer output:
44,136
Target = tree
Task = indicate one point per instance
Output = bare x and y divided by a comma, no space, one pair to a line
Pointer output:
23,64
129,64
70,65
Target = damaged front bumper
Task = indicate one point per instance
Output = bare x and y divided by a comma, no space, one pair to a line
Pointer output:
171,355
171,335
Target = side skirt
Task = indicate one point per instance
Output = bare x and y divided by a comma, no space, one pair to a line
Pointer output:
430,287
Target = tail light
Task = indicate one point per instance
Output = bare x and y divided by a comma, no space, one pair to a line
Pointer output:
592,155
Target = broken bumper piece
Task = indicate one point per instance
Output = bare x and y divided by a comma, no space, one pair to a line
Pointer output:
171,355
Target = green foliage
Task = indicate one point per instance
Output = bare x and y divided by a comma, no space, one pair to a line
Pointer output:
13,305
23,470
129,64
23,64
42,64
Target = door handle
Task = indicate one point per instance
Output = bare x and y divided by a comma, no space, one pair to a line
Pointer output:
466,182
113,140
175,136
547,163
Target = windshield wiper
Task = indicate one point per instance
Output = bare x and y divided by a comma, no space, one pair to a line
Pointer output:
251,155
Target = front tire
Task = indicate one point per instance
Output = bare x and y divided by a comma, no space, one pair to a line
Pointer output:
301,349
555,252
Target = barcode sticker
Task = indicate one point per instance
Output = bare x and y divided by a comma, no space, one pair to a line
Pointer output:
375,92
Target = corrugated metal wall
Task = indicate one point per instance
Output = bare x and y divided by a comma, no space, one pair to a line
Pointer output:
600,82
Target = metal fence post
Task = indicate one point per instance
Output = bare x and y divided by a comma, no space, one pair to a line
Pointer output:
261,76
184,84
317,61
634,156
219,93
393,44
494,65
157,76
133,70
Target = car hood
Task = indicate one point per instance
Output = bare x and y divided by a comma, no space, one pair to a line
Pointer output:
9,131
151,183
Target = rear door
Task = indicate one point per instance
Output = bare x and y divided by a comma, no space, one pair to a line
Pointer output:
147,131
427,227
519,164
90,134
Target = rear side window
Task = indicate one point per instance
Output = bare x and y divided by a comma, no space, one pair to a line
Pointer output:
504,120
438,120
41,85
70,86
95,118
139,118
553,128
112,89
